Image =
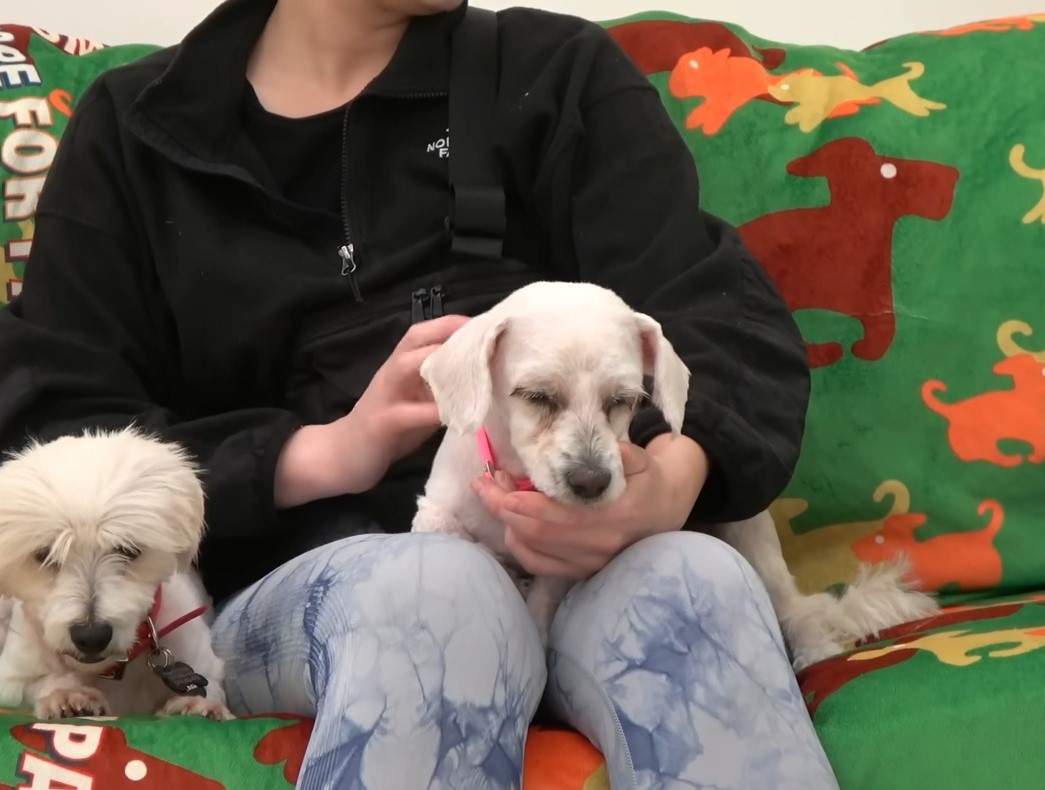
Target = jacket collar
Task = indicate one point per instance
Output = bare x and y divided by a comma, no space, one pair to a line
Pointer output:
195,103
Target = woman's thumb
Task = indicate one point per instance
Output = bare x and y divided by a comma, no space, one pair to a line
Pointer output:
633,458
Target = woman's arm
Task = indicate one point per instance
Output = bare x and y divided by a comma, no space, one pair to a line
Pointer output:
90,343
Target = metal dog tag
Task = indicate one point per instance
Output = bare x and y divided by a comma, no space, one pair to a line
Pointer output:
178,676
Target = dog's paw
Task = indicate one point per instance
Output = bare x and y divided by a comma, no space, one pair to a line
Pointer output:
438,519
814,630
195,706
70,703
805,654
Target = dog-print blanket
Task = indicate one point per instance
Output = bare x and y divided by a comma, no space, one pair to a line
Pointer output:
896,196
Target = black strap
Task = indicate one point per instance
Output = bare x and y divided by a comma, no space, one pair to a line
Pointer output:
477,220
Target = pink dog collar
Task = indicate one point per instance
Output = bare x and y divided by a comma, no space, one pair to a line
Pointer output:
490,464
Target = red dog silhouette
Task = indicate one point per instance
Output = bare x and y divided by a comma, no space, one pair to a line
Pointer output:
656,45
838,257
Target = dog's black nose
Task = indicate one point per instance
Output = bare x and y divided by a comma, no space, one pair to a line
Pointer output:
588,482
91,638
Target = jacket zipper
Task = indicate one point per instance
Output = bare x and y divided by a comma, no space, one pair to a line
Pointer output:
436,295
418,306
426,303
347,251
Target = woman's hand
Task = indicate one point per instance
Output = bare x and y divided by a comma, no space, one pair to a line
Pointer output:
393,417
551,539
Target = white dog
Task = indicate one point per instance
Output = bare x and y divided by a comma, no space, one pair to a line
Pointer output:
97,538
544,386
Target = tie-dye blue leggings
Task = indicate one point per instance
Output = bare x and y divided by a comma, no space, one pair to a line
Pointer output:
419,661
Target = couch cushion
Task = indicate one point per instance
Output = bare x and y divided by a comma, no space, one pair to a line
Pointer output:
896,197
953,702
42,75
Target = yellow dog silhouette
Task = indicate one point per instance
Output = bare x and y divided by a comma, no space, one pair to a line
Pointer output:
816,96
1019,164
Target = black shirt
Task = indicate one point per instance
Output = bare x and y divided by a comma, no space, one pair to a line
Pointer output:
303,155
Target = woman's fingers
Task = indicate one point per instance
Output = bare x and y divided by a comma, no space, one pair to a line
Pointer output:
537,563
405,366
434,332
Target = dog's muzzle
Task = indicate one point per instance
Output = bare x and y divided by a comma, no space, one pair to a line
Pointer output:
588,480
90,639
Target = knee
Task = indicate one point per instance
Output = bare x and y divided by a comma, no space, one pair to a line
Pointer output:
680,580
401,581
684,565
435,599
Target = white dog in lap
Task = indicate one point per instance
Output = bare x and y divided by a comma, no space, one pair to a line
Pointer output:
543,387
97,538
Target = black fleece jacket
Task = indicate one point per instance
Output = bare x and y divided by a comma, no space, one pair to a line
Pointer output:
172,284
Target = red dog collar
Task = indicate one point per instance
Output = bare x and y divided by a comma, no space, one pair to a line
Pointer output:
490,464
149,636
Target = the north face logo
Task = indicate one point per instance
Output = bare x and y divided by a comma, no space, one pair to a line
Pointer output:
440,146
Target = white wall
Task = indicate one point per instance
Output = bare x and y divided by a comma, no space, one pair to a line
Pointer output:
846,23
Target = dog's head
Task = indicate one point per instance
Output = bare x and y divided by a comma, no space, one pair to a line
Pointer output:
558,369
796,85
1026,370
90,526
895,186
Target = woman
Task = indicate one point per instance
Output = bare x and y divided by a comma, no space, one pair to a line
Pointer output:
243,246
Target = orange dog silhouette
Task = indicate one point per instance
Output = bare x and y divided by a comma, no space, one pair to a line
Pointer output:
966,558
727,83
980,422
1000,25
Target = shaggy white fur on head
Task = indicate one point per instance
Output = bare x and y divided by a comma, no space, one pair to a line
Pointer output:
555,372
90,526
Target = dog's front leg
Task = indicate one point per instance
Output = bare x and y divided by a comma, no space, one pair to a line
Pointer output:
432,517
12,679
191,644
65,695
546,593
196,706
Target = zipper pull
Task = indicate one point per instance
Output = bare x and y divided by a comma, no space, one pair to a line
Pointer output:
347,253
418,301
437,301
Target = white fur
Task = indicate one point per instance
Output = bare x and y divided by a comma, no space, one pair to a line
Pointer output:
78,500
584,345
820,625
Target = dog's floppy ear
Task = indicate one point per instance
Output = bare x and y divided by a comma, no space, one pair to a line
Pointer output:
185,517
458,372
670,374
180,499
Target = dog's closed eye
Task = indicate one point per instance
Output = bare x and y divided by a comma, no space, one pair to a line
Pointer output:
542,398
128,552
623,401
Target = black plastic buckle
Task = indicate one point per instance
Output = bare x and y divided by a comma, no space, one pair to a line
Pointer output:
478,221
